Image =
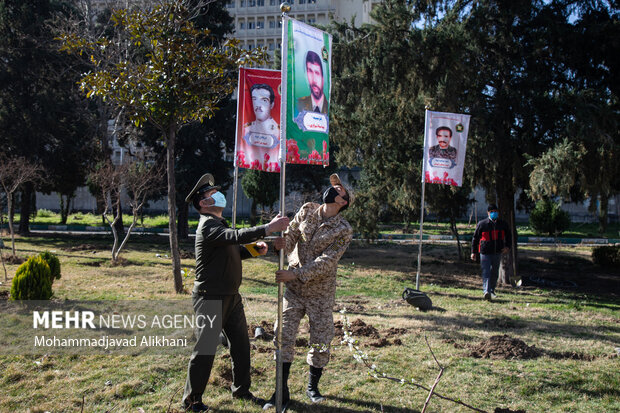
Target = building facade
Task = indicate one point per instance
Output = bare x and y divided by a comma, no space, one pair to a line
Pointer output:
258,22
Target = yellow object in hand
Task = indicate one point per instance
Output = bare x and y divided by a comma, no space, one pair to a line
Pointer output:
252,248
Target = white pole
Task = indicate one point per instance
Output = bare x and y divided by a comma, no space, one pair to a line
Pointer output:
235,190
424,159
236,176
285,8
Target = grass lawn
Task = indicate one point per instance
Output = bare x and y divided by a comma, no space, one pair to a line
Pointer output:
572,334
576,230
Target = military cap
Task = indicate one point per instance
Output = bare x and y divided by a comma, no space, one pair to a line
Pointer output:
204,184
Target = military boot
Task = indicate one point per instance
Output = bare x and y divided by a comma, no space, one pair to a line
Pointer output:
286,397
313,385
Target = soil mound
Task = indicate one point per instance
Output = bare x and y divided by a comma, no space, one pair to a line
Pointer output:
500,410
394,332
267,333
506,348
358,329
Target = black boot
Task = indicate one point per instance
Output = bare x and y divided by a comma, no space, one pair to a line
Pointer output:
313,385
286,397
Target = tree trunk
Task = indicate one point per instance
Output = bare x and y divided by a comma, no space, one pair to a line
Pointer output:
602,213
253,214
100,207
118,224
26,209
455,232
182,225
505,203
9,202
65,208
172,224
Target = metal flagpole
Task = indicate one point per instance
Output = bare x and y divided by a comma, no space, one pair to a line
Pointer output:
236,176
235,190
285,7
417,276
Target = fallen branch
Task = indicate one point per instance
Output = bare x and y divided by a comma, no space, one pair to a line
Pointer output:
362,357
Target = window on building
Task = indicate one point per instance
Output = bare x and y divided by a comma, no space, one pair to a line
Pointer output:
259,45
272,24
273,2
241,25
260,3
302,1
242,3
251,25
260,24
251,3
230,4
279,24
311,20
272,46
311,1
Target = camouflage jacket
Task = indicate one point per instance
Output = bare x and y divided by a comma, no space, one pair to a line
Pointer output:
314,245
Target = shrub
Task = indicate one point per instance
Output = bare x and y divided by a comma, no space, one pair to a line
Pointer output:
54,264
33,281
45,213
548,218
607,256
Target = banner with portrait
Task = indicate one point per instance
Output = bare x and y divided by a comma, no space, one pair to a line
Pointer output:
445,142
257,144
308,86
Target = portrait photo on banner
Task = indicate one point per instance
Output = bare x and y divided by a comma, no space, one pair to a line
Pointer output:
258,120
444,147
310,83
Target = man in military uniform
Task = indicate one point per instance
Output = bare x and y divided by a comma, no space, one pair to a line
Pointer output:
218,275
263,99
443,148
314,241
316,101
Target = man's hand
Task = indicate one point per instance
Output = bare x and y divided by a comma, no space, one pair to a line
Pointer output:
505,250
279,223
261,248
283,276
473,257
279,243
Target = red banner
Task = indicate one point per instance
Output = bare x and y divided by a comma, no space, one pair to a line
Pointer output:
258,120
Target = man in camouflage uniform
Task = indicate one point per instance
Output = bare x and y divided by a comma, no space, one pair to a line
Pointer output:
314,242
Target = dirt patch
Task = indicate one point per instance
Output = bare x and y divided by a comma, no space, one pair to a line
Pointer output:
358,329
500,410
83,247
267,330
384,342
4,295
14,260
184,254
91,263
570,355
394,332
505,348
301,342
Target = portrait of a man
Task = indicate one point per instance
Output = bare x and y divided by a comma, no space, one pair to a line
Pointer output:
263,99
443,149
316,101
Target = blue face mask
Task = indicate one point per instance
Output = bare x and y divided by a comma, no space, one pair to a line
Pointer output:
220,199
493,215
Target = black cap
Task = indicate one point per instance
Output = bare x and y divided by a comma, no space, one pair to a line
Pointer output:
492,207
204,184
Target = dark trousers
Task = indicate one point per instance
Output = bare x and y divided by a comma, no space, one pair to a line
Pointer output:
236,331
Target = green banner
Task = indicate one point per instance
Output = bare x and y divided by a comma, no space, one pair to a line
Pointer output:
308,87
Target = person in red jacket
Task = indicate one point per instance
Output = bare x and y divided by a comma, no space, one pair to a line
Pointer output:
492,238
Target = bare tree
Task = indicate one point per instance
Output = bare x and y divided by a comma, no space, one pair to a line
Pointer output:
139,180
15,172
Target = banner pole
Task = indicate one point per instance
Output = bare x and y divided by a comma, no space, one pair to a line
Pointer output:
417,276
284,8
235,190
236,176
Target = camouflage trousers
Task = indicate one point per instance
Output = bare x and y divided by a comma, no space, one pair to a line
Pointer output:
321,321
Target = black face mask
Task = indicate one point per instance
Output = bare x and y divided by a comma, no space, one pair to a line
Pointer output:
329,197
